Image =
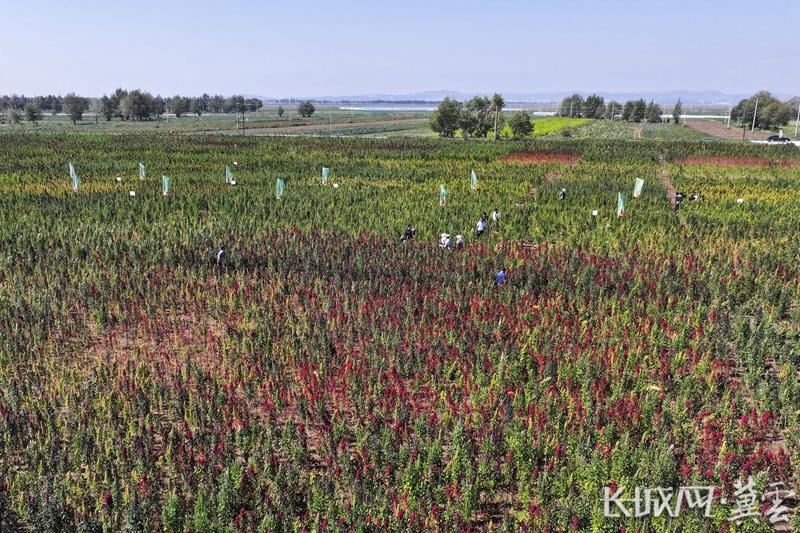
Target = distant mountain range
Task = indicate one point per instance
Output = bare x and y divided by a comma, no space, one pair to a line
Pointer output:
667,97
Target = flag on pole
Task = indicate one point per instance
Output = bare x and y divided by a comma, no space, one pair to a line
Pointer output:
228,174
473,180
142,171
165,183
620,204
76,181
442,195
325,173
279,188
637,188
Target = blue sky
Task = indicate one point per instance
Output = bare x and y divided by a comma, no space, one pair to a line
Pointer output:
355,47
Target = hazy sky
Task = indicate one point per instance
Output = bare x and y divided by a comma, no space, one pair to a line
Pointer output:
298,48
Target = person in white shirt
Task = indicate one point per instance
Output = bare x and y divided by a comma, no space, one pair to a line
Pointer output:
460,242
495,216
480,227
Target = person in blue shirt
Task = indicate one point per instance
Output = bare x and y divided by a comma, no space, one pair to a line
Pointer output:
500,278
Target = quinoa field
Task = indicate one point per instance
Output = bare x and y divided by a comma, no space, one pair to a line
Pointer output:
324,376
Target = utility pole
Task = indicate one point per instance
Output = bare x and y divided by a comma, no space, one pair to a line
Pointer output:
796,122
496,112
730,108
330,118
753,127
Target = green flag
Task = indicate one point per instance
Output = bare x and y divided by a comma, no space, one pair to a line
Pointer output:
442,195
637,188
279,188
325,173
228,174
165,183
620,204
142,171
76,181
473,180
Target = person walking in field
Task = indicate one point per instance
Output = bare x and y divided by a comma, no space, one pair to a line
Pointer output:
221,255
500,278
480,227
562,194
678,199
495,216
459,242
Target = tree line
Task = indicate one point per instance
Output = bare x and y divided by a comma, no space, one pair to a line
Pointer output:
123,104
769,111
595,107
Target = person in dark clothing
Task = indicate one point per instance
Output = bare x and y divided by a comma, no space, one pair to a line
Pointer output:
408,234
221,255
562,194
678,199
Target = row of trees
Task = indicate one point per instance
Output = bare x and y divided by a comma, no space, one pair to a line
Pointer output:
594,106
124,104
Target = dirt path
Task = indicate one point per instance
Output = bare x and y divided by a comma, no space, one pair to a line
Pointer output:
667,184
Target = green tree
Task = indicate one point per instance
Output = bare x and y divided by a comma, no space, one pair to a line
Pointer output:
198,106
107,107
33,113
498,103
306,109
447,117
521,124
482,120
74,106
571,106
638,110
178,105
157,106
594,107
653,112
627,110
776,114
280,111
771,111
677,111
